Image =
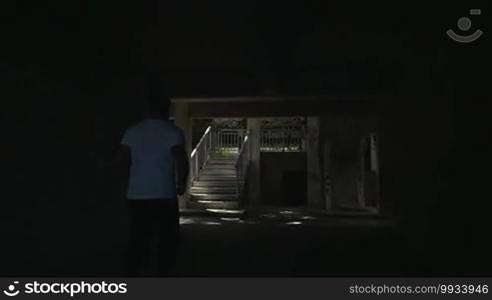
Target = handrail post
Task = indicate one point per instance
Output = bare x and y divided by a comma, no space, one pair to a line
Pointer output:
199,155
242,162
197,170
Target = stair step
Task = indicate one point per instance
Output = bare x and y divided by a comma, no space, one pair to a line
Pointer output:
217,177
208,196
214,204
230,170
219,159
220,165
212,212
213,189
214,169
221,162
214,183
206,176
217,172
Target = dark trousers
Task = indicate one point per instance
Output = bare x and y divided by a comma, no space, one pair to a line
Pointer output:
154,233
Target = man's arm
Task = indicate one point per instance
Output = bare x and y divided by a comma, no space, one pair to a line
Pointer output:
182,167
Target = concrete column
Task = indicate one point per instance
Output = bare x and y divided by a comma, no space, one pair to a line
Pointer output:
314,184
183,121
327,187
345,134
254,176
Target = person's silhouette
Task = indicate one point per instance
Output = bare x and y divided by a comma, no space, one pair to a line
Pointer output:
158,173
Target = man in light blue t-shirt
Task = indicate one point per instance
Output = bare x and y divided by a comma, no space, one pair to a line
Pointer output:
152,172
158,173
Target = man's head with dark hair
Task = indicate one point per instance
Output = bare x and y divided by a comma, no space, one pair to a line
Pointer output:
157,97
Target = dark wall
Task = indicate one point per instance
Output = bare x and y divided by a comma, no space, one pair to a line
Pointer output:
63,213
198,129
430,166
283,178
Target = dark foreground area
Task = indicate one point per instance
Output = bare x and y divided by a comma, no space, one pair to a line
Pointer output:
281,242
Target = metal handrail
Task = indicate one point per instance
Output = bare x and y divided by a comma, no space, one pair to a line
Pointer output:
242,164
200,154
228,140
214,140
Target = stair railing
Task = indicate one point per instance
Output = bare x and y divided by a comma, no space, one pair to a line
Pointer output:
200,154
229,140
242,165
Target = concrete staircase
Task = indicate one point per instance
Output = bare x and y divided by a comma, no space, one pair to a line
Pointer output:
216,185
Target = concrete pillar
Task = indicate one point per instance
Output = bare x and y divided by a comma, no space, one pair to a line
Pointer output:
327,187
345,134
183,121
314,184
254,176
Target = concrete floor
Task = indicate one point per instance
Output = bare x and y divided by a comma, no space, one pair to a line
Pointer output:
288,243
278,242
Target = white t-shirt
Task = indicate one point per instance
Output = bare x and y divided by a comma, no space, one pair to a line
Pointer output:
152,171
